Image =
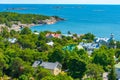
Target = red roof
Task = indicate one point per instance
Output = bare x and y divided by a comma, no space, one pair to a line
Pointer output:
53,35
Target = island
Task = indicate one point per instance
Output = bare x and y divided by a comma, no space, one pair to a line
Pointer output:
15,21
20,8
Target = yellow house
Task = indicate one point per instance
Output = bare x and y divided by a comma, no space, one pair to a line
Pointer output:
55,68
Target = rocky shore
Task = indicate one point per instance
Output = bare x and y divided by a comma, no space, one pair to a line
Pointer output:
16,25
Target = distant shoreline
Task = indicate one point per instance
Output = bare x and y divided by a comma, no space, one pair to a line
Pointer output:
16,21
17,27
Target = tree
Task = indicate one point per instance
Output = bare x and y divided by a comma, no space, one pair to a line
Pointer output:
112,75
112,44
3,64
27,55
75,35
41,36
90,37
5,32
104,57
26,41
77,68
42,46
63,77
69,32
26,30
10,18
8,24
16,67
94,71
57,55
83,55
58,77
117,53
58,32
23,77
41,73
49,78
28,70
2,44
13,33
118,44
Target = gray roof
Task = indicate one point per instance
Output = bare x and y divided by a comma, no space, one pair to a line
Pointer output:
90,45
47,65
36,63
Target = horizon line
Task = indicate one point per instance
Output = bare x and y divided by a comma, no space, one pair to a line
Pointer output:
64,3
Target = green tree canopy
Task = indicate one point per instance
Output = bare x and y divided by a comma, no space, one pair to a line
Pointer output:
90,37
77,68
94,71
26,30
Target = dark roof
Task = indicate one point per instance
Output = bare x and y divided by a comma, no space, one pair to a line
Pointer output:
36,63
47,65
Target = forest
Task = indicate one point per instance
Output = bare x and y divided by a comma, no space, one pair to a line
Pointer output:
16,59
11,19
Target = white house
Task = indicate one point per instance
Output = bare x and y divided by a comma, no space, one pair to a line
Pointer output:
67,35
12,40
37,33
104,41
51,43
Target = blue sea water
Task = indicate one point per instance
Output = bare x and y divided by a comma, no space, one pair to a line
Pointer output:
101,20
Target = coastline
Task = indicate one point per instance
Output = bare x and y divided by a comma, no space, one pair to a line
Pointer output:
19,25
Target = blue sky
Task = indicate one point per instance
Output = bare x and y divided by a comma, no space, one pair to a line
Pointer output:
62,1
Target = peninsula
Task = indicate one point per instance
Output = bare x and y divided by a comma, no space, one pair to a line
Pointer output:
15,21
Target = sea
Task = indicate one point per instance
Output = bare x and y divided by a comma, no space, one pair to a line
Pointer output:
100,20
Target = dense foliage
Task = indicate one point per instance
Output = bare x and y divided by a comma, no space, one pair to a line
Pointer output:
10,17
16,59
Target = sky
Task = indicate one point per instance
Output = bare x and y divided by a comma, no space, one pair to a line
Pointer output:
60,1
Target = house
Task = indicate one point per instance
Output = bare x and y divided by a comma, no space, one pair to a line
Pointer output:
90,46
51,43
67,35
105,76
74,36
12,40
101,39
37,33
55,68
53,35
117,70
49,35
104,41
